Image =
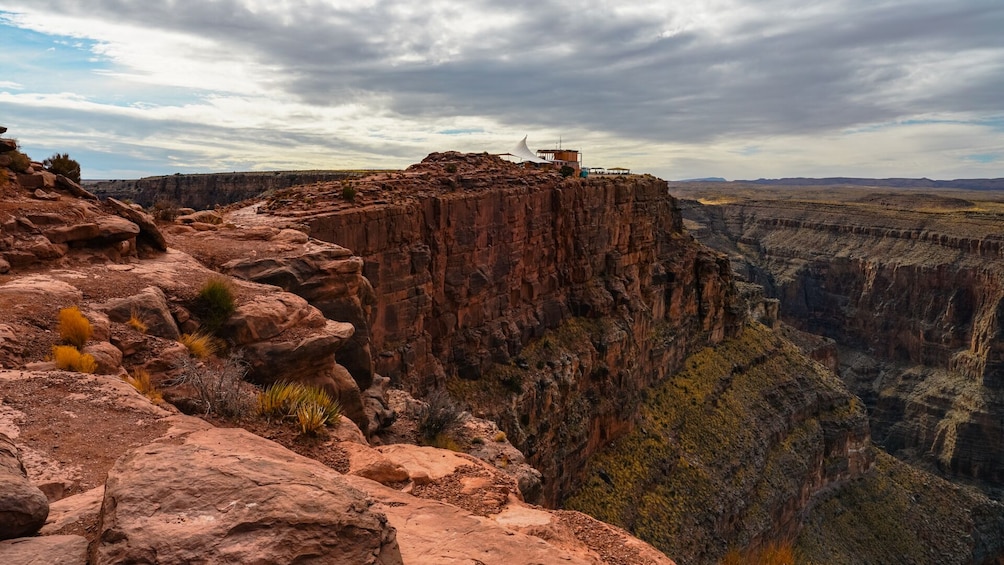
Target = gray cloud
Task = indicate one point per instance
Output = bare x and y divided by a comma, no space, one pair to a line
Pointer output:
784,69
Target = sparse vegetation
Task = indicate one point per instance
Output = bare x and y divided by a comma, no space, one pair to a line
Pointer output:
216,302
437,415
69,358
74,328
140,380
199,345
499,437
61,164
136,323
566,171
19,162
165,210
312,407
773,553
219,385
348,192
451,168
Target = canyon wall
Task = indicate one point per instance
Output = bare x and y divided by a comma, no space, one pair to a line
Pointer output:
546,304
208,190
911,287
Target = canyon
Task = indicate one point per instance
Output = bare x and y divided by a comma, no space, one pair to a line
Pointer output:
608,364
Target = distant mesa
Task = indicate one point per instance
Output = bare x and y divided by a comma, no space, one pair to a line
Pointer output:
705,179
967,184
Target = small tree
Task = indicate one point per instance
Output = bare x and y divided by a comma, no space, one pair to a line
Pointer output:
566,171
61,164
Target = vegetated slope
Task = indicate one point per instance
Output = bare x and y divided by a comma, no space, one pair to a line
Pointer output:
910,285
476,262
899,514
730,450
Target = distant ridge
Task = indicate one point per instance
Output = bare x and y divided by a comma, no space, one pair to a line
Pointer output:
705,179
969,184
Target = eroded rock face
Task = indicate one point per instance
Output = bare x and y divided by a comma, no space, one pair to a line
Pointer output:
226,495
470,268
23,507
910,285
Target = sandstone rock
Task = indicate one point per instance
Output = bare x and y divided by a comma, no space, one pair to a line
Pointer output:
269,315
226,495
43,195
202,217
41,289
77,509
347,431
151,306
427,464
149,232
77,232
433,533
31,180
367,462
73,188
23,508
112,229
107,356
46,550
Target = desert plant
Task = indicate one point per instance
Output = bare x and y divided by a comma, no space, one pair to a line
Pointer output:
165,210
219,384
283,400
69,358
499,437
19,162
61,164
566,171
348,193
199,345
74,328
451,168
311,418
136,323
438,414
216,302
140,380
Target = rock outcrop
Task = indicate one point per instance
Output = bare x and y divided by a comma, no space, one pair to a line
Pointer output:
910,285
471,268
23,507
227,495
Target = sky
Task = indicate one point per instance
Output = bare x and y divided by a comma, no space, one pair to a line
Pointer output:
740,89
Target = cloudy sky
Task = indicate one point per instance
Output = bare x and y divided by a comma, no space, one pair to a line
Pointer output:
681,89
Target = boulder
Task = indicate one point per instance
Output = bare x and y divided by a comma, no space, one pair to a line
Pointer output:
367,462
41,289
107,356
23,507
31,180
151,306
229,496
148,231
73,188
74,232
114,228
45,550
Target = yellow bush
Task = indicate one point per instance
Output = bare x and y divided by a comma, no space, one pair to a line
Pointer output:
500,437
140,380
773,553
136,323
70,358
284,400
311,418
199,345
74,327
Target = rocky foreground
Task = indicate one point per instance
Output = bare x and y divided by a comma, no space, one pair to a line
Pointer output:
94,471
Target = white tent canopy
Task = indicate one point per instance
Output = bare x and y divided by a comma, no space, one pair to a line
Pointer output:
523,153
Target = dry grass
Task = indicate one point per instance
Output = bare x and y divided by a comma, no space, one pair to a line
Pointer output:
69,358
200,346
74,328
140,380
774,553
310,406
136,323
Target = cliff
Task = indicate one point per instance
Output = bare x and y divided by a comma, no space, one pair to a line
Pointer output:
911,287
486,275
203,191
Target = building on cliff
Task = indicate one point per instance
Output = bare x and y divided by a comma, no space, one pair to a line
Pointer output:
520,153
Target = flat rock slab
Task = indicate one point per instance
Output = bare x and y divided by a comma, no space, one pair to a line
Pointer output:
229,496
44,550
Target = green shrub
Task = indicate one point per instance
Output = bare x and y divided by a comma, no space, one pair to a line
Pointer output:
61,164
451,168
19,162
348,193
74,328
216,303
566,171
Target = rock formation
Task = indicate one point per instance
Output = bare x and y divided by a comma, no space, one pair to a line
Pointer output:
910,285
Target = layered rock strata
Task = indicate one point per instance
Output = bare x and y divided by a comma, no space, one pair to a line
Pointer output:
910,285
470,267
